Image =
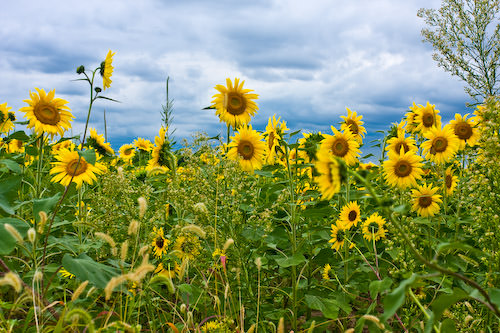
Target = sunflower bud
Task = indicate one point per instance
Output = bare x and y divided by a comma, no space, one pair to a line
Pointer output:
97,89
80,69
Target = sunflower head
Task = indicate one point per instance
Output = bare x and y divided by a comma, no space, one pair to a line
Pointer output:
465,129
338,234
450,181
161,156
159,243
106,70
247,146
373,227
187,246
46,113
441,145
427,117
97,142
273,134
6,118
403,170
425,200
342,145
331,174
350,214
127,152
354,124
234,105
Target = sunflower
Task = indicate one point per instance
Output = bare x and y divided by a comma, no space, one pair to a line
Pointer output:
450,181
410,123
143,144
6,118
69,164
425,200
342,145
274,131
373,227
465,129
330,176
127,152
326,272
46,113
338,235
97,142
308,148
350,214
234,105
15,146
426,118
56,147
400,141
167,272
403,170
248,147
160,243
160,159
106,70
441,145
353,123
64,273
187,246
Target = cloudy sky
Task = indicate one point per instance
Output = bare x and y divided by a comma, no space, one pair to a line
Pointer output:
307,60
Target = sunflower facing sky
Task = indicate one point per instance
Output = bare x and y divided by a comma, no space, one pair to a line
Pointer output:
247,146
465,129
234,105
426,117
100,145
373,227
403,170
6,118
106,70
342,145
69,164
330,177
425,200
441,145
46,113
353,123
350,214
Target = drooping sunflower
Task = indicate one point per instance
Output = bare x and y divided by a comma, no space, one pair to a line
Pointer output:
400,141
403,170
106,70
100,145
450,181
187,246
6,118
342,145
308,148
350,214
247,146
426,118
330,175
425,200
46,113
160,243
143,144
234,105
353,123
373,227
274,132
326,272
465,129
441,145
69,164
338,235
127,152
160,156
410,125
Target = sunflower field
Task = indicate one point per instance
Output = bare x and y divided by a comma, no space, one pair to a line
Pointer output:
265,230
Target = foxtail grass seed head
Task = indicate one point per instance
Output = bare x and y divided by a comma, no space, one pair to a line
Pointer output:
350,330
226,291
311,328
258,263
107,238
14,233
193,228
32,235
91,291
124,250
228,243
251,329
13,280
143,250
190,321
79,290
43,221
133,227
142,207
113,283
216,301
200,208
281,326
374,320
183,308
171,288
38,276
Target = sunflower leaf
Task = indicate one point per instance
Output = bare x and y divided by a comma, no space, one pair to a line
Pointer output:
109,99
88,155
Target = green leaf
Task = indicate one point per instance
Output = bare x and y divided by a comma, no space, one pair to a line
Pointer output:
8,193
459,246
85,268
448,326
402,209
328,307
19,135
396,298
88,155
11,165
444,301
294,260
379,286
262,173
495,295
45,204
7,242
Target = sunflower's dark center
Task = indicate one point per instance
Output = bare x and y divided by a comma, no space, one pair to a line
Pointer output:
47,113
428,119
271,139
235,103
448,181
73,167
340,147
103,68
128,151
424,201
463,130
403,144
340,236
439,145
353,126
160,242
402,168
246,149
373,227
352,215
